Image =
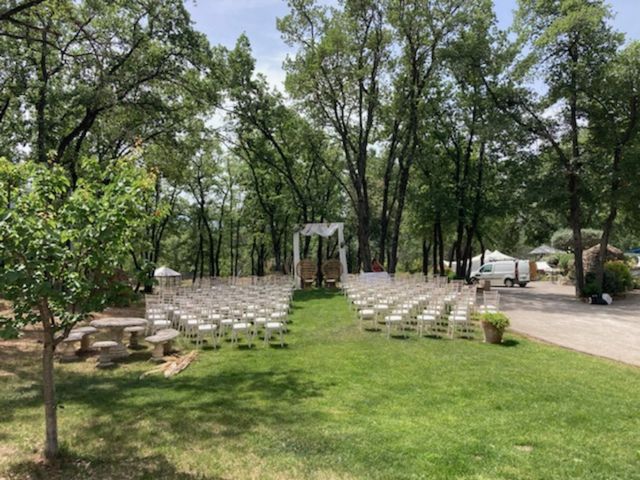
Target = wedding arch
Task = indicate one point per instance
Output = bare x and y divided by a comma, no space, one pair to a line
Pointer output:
324,230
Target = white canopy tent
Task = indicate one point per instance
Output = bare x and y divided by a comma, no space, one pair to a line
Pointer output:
544,250
489,256
497,256
324,230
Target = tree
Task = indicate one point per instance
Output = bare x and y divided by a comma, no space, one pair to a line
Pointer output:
292,167
14,8
614,120
99,77
563,239
337,76
569,44
423,32
61,246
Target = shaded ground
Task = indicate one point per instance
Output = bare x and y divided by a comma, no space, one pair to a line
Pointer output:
551,312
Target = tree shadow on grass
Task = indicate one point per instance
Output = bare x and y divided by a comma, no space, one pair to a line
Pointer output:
133,466
17,360
116,414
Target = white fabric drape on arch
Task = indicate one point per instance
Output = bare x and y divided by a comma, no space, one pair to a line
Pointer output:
324,230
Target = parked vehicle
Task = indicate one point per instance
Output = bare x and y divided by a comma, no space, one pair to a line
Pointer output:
507,273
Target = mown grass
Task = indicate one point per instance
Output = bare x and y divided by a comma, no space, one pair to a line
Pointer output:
336,403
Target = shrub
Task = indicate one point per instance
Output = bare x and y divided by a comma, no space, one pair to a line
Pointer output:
451,275
498,320
617,277
590,287
566,263
553,260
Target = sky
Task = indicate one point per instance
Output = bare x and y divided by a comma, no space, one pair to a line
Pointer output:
224,20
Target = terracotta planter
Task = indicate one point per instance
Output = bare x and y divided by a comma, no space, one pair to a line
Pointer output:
491,333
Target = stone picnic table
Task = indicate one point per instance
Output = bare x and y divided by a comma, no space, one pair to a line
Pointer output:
116,326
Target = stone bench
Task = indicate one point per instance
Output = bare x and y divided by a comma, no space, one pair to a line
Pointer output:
104,360
161,342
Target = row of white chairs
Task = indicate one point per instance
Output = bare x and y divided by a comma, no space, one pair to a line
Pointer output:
212,313
436,308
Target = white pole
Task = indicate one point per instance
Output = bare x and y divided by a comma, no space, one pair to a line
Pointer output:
296,257
343,253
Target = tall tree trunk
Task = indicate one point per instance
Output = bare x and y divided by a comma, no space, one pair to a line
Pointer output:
237,249
386,187
211,249
435,249
573,168
284,247
254,268
364,234
475,217
425,256
262,253
231,260
201,248
276,244
319,263
395,240
608,224
41,105
441,247
196,264
48,384
482,249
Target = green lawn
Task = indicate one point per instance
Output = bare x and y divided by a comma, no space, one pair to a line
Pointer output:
336,403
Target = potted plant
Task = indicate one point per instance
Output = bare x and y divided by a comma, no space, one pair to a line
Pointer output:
493,325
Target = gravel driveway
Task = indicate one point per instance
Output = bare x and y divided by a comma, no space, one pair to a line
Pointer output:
551,313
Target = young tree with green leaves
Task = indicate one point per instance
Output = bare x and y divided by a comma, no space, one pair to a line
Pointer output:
61,246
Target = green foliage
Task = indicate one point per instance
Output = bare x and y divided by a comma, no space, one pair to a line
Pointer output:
563,238
8,329
618,278
566,262
61,247
499,320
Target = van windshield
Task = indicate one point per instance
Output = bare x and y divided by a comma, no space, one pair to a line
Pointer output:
486,268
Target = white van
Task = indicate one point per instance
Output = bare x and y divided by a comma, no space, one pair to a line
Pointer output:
506,272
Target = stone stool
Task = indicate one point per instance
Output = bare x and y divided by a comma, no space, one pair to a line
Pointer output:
104,360
86,332
133,338
161,342
69,350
